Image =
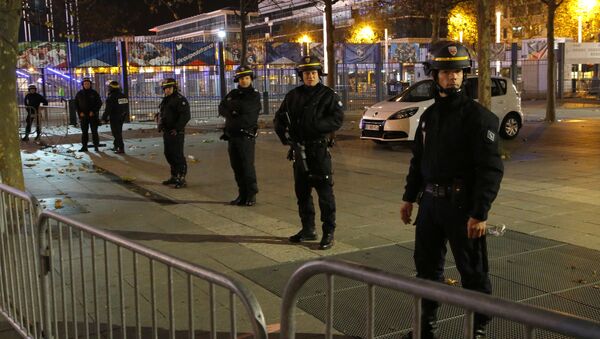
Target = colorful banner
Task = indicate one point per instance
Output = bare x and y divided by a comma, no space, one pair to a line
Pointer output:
93,54
283,52
150,53
535,49
361,53
404,52
497,52
316,48
41,54
256,53
195,54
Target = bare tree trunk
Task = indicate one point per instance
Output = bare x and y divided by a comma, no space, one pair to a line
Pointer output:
435,22
243,19
330,44
11,170
551,91
484,22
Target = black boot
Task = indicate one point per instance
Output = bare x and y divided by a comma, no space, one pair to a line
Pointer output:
429,328
251,200
171,181
305,234
37,137
180,182
239,201
479,331
25,138
326,240
83,149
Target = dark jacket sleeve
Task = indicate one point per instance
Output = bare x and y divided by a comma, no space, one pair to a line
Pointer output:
254,106
414,179
97,103
43,100
333,116
183,114
224,109
77,98
109,108
489,168
280,122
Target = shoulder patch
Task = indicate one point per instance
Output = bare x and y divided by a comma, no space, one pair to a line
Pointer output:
491,135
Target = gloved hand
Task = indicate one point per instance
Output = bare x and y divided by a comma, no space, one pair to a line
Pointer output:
331,143
290,155
173,132
224,137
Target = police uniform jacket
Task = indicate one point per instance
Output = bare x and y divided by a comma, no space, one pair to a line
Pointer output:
457,141
35,100
314,113
174,112
116,107
88,100
240,107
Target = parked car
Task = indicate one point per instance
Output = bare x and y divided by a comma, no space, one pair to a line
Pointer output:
397,118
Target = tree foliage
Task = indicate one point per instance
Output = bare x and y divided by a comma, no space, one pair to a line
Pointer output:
463,18
566,21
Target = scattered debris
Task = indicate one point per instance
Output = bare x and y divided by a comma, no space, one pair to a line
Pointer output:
580,281
451,282
58,204
127,179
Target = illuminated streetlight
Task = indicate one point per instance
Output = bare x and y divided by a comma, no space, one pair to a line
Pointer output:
305,39
221,34
364,34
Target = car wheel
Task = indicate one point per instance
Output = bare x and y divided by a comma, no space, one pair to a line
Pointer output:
510,127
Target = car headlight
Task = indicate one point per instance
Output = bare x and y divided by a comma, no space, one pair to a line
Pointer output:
404,114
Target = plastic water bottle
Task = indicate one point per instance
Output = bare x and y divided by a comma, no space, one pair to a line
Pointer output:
496,230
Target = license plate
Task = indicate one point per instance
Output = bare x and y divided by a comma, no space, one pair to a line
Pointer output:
372,127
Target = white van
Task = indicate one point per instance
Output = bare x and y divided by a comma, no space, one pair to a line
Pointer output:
397,118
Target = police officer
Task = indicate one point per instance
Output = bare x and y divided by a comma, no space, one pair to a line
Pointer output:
88,104
240,108
456,171
32,103
116,111
305,120
174,115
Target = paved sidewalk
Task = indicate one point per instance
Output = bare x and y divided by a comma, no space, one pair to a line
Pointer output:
551,189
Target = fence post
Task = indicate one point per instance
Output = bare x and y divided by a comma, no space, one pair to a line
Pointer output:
513,62
42,226
124,70
222,84
378,70
561,70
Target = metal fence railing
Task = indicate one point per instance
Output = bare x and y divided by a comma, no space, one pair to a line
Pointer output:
97,283
20,295
530,317
60,278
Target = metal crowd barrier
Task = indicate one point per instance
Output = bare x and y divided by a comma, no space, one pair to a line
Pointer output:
20,297
79,280
60,278
531,317
52,120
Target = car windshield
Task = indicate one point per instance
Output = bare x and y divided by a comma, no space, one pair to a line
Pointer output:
420,91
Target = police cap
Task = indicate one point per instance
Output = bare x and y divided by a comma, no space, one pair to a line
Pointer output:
243,71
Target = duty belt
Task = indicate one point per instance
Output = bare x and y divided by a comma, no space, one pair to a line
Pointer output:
442,190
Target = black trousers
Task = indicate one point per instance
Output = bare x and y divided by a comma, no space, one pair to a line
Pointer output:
88,122
31,115
174,153
116,128
241,158
439,221
320,178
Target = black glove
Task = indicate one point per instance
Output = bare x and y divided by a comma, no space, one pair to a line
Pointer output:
224,137
290,155
331,142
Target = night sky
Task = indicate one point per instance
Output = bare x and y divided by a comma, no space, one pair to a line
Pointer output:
109,18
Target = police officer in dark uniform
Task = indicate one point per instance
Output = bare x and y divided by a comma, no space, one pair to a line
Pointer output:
240,108
88,104
307,117
116,111
174,115
32,102
455,171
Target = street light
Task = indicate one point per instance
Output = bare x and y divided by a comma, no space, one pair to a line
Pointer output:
221,34
498,15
